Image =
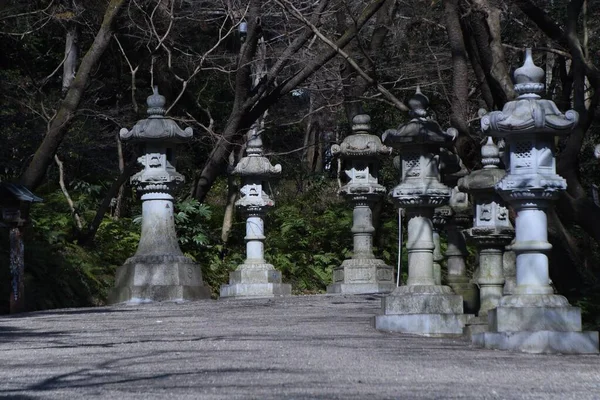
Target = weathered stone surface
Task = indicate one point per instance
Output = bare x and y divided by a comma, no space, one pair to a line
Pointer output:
158,278
357,270
474,326
360,288
256,290
432,325
414,303
254,275
514,319
509,268
469,293
540,341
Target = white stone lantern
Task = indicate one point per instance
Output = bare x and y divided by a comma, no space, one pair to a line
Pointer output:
158,271
363,273
533,319
255,277
421,307
491,233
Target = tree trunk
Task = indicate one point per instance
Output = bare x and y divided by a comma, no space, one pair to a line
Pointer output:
232,195
71,54
90,233
36,171
119,203
460,70
63,187
487,17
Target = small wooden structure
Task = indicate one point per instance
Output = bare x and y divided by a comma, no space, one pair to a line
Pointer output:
15,202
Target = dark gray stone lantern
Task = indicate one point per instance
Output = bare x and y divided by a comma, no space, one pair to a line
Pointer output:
460,217
421,307
158,271
491,232
533,318
15,203
363,273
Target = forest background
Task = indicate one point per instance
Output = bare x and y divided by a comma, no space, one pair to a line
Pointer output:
73,72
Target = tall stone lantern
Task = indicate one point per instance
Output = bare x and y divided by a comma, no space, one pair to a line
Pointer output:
533,319
158,271
421,307
255,277
363,273
491,232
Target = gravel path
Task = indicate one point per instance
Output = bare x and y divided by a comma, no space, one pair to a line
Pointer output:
306,347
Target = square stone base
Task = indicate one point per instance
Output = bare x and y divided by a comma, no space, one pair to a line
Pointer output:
255,281
256,290
519,319
433,325
422,303
469,293
541,329
362,276
474,326
360,288
422,310
158,278
540,341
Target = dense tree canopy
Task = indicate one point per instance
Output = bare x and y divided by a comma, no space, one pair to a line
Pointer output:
72,72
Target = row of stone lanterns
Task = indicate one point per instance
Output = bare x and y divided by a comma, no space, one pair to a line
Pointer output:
530,319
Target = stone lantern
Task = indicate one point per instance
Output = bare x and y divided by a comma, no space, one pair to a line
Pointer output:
491,232
158,271
533,319
421,307
456,251
255,277
363,273
15,203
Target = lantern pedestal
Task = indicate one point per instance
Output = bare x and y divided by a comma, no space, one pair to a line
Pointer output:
158,271
421,307
363,273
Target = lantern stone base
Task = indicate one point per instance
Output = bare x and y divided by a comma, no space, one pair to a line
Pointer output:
431,325
474,326
158,278
537,330
422,310
468,291
362,276
255,281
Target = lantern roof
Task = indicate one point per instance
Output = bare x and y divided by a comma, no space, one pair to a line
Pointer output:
361,143
156,127
484,179
529,113
421,129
